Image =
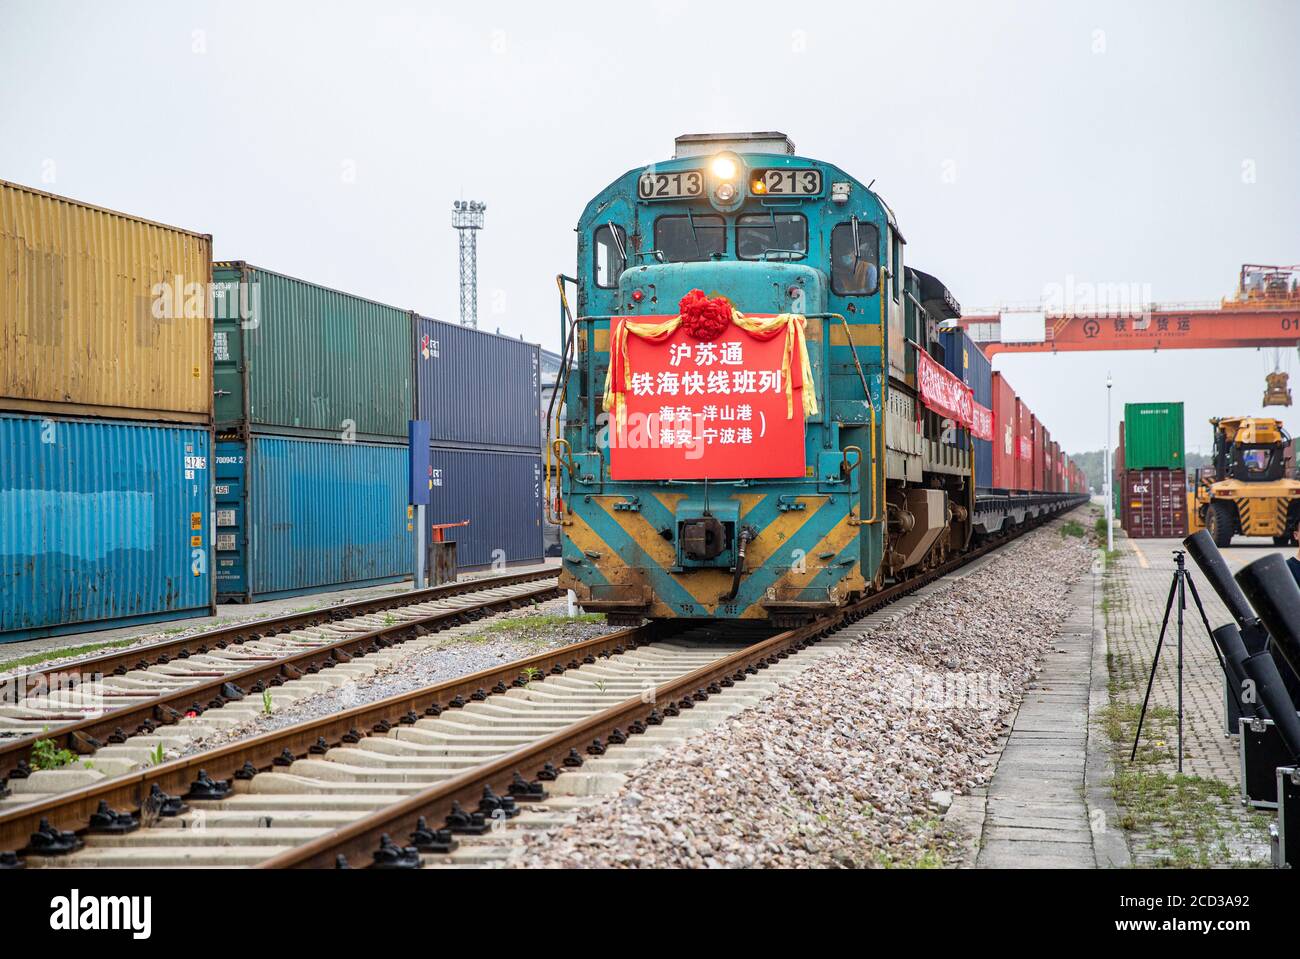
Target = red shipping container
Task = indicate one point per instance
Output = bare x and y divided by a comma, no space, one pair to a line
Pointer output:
1154,503
1005,431
1024,447
1042,457
1055,468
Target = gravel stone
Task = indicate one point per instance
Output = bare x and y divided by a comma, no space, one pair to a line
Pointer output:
486,644
844,766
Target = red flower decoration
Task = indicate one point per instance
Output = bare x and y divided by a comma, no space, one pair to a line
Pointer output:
704,318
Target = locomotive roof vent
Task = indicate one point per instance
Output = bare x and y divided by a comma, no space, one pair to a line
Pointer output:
706,144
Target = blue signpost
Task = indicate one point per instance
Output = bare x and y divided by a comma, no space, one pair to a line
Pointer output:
418,440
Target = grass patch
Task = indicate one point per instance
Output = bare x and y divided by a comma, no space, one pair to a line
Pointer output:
1176,820
1099,527
530,623
43,657
47,755
1073,528
1189,820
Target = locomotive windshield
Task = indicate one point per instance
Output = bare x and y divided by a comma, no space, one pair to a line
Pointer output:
854,266
762,236
682,239
610,259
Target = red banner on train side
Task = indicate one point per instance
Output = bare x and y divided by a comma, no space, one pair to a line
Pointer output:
981,422
944,393
713,409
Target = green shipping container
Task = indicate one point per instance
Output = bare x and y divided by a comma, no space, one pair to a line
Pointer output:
1153,436
300,359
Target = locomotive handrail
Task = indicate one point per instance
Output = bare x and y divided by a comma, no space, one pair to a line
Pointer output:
561,386
866,389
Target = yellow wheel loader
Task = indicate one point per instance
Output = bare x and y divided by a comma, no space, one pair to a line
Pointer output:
1248,492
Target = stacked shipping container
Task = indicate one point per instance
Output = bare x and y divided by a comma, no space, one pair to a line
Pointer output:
481,394
1150,481
105,366
313,400
316,388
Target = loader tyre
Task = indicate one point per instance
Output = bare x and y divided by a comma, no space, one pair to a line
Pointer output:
1221,521
1292,521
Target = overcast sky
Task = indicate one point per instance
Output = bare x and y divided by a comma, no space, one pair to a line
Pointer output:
1020,144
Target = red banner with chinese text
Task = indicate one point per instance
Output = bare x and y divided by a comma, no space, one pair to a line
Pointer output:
713,409
941,391
981,422
945,394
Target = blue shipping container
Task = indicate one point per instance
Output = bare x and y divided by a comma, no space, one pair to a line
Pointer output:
978,375
963,358
102,524
299,516
501,496
477,390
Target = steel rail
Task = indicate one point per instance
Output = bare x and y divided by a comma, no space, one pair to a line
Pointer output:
140,657
85,736
356,843
72,810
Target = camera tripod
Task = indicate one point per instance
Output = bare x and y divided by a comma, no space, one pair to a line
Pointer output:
1182,581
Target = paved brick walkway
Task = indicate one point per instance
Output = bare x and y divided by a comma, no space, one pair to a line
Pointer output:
1137,587
1051,800
1136,590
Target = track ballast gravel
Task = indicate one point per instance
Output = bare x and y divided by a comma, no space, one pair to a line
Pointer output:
847,766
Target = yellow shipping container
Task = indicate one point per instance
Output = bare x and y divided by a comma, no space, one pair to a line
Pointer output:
102,314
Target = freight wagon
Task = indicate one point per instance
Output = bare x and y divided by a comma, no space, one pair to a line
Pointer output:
1005,435
965,360
103,523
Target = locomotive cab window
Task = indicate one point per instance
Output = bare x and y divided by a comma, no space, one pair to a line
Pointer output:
855,268
682,239
609,252
761,236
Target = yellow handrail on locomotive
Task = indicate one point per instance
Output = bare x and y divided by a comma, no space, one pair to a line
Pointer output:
875,458
567,461
568,332
847,468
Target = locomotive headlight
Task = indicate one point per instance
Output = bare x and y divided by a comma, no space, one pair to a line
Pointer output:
724,167
726,192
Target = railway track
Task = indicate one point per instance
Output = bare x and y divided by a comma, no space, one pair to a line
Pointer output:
405,781
122,706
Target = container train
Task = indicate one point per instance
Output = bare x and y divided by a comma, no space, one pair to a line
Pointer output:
766,413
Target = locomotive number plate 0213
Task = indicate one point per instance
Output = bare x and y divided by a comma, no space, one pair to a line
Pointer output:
670,186
788,182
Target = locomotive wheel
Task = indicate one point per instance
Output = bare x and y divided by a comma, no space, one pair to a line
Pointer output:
1220,520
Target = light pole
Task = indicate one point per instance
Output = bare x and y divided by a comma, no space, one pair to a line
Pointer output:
1110,477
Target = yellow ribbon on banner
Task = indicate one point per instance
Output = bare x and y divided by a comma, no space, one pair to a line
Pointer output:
762,327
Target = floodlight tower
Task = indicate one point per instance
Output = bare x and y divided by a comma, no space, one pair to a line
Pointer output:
467,218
